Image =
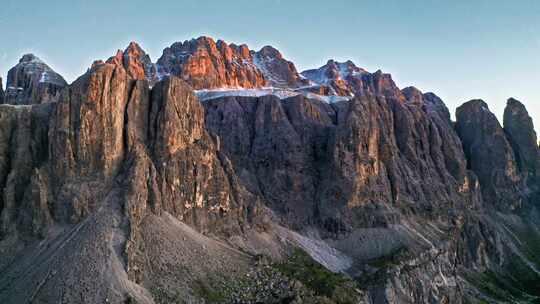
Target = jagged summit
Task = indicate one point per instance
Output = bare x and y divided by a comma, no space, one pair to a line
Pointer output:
412,94
30,58
270,51
215,65
205,64
347,79
519,126
137,63
333,71
32,81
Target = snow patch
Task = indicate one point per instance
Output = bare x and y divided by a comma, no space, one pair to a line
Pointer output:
239,92
208,94
44,77
328,99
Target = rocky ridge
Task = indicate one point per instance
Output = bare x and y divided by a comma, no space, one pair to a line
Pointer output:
164,198
278,71
206,64
346,79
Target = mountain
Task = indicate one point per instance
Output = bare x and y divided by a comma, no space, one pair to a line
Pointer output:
206,64
278,71
346,79
128,188
32,81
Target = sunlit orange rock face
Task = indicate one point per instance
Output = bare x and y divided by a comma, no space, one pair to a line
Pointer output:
206,64
136,62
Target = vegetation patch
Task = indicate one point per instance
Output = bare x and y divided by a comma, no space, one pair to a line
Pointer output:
162,296
336,287
517,287
210,294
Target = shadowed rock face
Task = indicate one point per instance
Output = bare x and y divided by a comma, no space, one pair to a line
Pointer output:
489,154
131,178
276,147
32,81
320,163
26,192
1,92
519,127
373,162
381,153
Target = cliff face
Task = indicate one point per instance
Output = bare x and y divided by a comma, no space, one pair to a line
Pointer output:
359,171
26,191
519,127
161,197
489,154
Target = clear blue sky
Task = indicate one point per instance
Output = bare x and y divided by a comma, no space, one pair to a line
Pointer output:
459,50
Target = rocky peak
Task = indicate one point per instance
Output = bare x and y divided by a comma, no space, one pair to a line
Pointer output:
519,127
116,59
277,70
429,101
346,79
32,81
205,64
489,154
334,73
26,58
413,94
434,103
136,62
270,51
344,69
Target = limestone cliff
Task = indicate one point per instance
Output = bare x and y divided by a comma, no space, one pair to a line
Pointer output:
126,188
